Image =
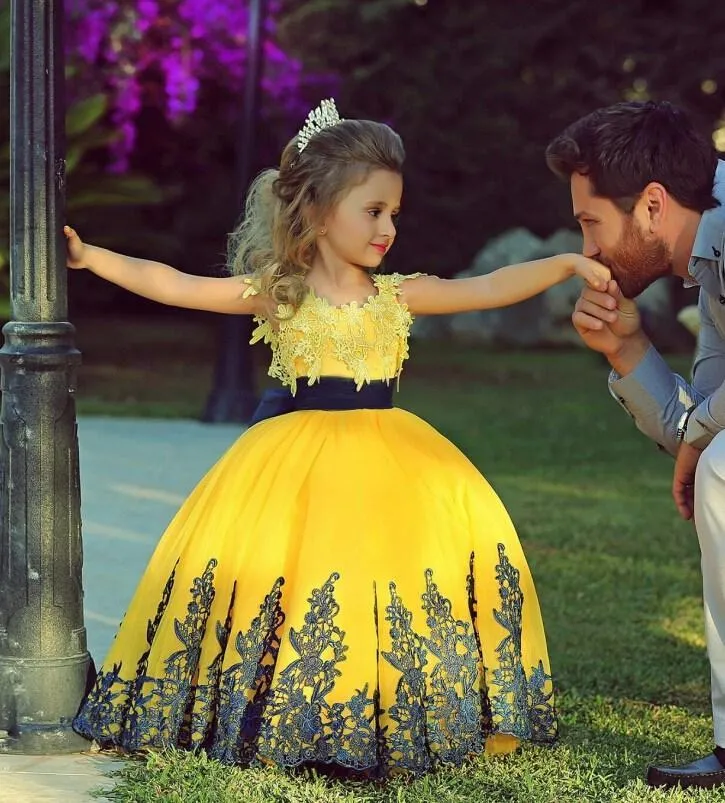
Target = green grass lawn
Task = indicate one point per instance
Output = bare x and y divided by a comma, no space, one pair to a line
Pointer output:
616,570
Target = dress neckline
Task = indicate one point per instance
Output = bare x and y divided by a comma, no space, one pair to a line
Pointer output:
347,304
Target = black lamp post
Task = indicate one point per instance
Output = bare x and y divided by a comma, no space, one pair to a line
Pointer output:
43,658
232,398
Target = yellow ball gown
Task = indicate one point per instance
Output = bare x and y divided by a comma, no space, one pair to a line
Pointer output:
342,588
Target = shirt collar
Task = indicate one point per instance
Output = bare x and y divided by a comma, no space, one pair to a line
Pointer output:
709,237
707,250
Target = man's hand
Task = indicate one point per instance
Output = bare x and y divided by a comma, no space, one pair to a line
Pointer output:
609,323
683,483
604,319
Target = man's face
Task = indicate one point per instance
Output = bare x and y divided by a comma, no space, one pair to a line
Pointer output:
618,240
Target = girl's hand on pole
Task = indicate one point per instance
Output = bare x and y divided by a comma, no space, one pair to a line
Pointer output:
76,256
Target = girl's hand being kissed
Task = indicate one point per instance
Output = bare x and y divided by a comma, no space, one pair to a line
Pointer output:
595,274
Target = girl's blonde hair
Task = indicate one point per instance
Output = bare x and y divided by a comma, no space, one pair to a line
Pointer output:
275,241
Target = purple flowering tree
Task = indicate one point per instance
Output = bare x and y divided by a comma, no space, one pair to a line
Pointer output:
159,52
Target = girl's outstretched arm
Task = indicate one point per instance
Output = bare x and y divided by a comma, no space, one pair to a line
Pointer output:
430,295
161,282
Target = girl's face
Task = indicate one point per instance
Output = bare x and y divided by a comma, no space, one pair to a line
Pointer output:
361,229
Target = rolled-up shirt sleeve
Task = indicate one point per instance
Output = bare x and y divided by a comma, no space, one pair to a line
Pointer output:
656,397
710,413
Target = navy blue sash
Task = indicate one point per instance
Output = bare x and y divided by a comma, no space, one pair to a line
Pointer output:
330,393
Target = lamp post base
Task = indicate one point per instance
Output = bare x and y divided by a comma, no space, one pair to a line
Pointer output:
44,662
34,694
42,740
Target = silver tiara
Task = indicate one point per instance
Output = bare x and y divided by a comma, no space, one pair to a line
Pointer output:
324,116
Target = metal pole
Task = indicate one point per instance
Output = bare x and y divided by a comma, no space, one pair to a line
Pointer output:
44,663
232,398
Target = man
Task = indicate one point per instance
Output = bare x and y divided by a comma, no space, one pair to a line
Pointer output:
647,190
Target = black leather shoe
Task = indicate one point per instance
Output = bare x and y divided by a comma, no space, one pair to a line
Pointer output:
705,773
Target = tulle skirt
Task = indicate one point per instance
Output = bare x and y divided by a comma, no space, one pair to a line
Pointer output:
342,588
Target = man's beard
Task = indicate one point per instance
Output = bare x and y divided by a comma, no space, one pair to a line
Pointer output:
637,260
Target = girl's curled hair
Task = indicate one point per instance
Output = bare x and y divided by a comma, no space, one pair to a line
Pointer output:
275,242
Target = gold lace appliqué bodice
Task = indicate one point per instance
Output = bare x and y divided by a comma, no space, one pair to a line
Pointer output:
364,342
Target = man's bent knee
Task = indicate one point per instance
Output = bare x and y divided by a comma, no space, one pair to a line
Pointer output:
710,494
711,466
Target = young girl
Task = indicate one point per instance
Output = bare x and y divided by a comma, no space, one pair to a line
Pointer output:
343,587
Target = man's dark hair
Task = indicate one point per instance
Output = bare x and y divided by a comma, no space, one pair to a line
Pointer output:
622,148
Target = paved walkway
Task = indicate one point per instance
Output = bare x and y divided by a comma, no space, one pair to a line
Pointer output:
134,475
54,779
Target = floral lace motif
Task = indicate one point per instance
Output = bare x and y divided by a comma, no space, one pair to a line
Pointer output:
300,723
250,711
521,706
352,333
438,701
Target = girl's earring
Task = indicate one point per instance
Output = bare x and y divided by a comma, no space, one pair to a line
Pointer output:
323,232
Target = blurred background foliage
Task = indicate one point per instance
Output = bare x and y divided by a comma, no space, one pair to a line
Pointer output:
476,90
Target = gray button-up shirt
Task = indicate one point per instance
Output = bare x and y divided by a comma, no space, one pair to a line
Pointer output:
655,396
